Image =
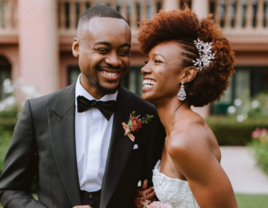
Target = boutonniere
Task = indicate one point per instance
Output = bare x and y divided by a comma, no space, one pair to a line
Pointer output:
135,124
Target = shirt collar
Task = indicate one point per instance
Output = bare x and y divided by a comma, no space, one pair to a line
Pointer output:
80,90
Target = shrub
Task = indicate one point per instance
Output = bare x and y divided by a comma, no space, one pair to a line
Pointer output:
246,107
230,132
261,154
260,147
11,113
8,124
12,105
5,138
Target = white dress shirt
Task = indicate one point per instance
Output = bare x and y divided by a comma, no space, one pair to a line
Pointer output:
92,137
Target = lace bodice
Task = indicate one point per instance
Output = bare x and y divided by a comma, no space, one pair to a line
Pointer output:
172,191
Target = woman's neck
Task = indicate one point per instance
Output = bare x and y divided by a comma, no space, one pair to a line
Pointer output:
169,111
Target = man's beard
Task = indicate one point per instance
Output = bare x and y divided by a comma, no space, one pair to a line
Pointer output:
105,90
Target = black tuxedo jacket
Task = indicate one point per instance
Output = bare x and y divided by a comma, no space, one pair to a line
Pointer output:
43,144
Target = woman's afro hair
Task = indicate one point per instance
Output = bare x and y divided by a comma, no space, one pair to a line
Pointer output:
184,27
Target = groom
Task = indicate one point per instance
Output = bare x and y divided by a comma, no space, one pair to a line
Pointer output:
78,148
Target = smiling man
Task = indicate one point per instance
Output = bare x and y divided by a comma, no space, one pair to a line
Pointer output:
103,49
73,140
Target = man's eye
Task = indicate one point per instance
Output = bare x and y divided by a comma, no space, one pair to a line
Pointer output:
124,52
102,50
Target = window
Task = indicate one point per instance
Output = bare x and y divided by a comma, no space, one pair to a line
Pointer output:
73,72
252,79
5,73
133,80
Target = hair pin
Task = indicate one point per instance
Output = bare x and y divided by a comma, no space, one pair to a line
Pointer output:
205,54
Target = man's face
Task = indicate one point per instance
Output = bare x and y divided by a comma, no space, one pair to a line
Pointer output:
103,50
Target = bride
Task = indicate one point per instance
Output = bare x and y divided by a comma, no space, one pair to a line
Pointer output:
189,63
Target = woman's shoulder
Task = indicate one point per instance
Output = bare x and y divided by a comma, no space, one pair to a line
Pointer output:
191,136
189,125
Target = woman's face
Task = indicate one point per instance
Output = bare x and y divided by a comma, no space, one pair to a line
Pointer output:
162,73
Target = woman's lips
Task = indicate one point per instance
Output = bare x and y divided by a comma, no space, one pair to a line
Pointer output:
147,87
148,84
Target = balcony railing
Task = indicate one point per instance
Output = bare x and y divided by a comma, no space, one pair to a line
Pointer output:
132,10
241,17
8,18
236,17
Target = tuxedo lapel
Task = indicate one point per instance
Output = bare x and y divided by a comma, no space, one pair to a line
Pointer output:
120,147
62,135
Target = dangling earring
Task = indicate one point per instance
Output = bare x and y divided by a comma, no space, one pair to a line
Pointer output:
182,93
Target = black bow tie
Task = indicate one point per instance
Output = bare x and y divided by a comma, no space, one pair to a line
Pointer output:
106,108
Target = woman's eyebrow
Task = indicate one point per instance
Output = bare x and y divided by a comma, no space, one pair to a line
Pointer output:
159,55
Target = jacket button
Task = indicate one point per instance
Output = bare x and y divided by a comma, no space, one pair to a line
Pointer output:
90,196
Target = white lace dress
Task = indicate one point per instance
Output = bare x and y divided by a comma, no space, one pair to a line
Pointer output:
172,191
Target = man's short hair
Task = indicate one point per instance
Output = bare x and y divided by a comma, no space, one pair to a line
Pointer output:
98,11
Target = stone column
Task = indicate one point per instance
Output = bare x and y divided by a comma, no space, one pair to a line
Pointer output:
38,44
171,5
200,7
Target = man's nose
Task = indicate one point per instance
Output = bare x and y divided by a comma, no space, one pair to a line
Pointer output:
113,59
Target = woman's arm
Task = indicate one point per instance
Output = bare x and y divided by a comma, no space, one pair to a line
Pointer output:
192,155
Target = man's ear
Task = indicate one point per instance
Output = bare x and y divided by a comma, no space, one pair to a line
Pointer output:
189,74
75,47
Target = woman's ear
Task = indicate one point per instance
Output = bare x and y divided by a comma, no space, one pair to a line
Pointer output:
189,74
75,48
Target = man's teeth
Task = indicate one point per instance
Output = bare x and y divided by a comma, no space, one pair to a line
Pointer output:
148,82
111,74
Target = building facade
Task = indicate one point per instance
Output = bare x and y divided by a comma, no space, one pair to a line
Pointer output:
36,38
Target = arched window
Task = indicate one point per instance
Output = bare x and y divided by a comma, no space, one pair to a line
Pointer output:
5,73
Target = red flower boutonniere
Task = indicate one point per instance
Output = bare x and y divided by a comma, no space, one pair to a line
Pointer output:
135,124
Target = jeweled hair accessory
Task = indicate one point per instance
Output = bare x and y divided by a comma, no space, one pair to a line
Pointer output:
205,54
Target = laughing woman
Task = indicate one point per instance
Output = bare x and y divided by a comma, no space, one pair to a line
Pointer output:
189,64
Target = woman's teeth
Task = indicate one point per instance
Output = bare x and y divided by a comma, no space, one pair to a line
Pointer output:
111,74
149,82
